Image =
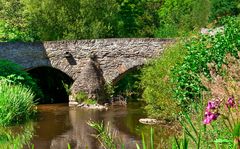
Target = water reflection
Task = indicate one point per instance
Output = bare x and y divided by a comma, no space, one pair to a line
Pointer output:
58,125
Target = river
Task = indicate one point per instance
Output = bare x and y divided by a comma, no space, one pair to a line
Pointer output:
58,125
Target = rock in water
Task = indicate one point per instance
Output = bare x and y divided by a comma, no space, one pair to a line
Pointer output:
149,121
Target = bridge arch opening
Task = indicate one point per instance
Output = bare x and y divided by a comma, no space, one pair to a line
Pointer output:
127,84
54,84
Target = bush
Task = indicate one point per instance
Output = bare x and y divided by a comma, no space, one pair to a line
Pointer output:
202,50
15,74
16,103
167,31
155,81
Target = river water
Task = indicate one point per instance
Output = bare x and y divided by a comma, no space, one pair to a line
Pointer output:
58,125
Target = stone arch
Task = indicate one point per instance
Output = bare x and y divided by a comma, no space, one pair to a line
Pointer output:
53,83
124,84
124,72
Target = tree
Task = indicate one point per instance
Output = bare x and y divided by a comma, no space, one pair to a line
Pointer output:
13,25
56,20
183,15
73,19
222,8
138,18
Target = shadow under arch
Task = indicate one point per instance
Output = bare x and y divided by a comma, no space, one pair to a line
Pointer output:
53,82
127,83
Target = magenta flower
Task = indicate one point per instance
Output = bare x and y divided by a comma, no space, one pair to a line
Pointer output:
209,117
231,102
211,112
212,105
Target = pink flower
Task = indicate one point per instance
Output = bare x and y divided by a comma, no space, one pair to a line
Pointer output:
214,104
231,102
211,112
209,117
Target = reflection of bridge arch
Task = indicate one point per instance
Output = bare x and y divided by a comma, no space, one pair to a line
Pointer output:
81,135
115,56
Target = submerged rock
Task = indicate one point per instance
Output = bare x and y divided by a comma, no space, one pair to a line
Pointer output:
92,106
149,121
73,103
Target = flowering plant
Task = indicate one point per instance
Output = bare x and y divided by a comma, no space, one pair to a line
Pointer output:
229,112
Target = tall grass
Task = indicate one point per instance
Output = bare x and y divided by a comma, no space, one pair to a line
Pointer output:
106,137
16,103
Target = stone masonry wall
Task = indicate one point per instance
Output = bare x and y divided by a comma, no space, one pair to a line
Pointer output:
115,56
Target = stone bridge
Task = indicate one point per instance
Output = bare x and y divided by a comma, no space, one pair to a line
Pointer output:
90,63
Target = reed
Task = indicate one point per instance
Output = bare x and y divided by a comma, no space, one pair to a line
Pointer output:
16,104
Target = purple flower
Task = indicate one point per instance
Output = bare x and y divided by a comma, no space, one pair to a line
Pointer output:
231,102
211,112
209,117
214,104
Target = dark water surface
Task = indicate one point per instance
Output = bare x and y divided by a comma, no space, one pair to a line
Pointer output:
59,125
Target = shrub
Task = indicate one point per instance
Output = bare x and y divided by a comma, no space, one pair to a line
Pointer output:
15,74
155,81
202,50
16,103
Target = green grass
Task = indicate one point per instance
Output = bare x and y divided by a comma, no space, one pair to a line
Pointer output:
16,103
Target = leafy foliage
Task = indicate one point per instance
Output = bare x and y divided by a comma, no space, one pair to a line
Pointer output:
81,96
202,50
104,135
129,86
14,74
53,20
224,8
25,20
180,16
155,81
137,18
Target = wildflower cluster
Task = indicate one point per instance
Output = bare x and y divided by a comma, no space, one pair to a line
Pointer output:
213,106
